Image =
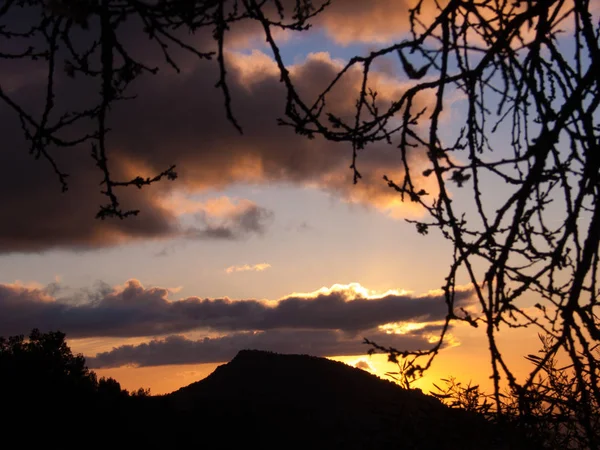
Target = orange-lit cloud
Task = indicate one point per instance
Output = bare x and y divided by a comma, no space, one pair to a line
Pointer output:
328,321
387,21
350,291
221,217
248,268
180,120
132,310
376,21
346,21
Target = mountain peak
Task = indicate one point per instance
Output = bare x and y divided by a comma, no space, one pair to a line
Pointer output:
324,404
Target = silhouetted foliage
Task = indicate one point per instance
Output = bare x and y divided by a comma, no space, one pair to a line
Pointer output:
526,151
551,416
528,71
88,39
41,381
43,369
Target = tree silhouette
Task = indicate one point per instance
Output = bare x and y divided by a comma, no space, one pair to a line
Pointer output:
514,189
42,360
44,386
84,39
528,72
43,382
551,417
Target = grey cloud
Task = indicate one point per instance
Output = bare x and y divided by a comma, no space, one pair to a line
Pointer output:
211,232
136,311
177,349
254,219
211,155
177,119
249,220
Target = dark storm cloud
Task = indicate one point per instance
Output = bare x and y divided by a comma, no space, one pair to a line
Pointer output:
180,350
177,119
136,311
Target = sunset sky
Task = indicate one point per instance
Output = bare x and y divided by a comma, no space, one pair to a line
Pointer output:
262,242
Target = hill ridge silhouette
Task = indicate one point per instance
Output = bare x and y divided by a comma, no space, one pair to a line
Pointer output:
304,400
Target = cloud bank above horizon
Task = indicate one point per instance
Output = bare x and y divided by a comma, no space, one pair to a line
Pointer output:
329,321
180,119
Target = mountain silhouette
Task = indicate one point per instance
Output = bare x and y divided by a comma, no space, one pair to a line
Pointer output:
261,400
272,400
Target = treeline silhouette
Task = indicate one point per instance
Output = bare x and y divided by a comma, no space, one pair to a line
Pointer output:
49,397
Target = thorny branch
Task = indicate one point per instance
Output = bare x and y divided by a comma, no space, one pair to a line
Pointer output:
526,238
528,73
84,39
